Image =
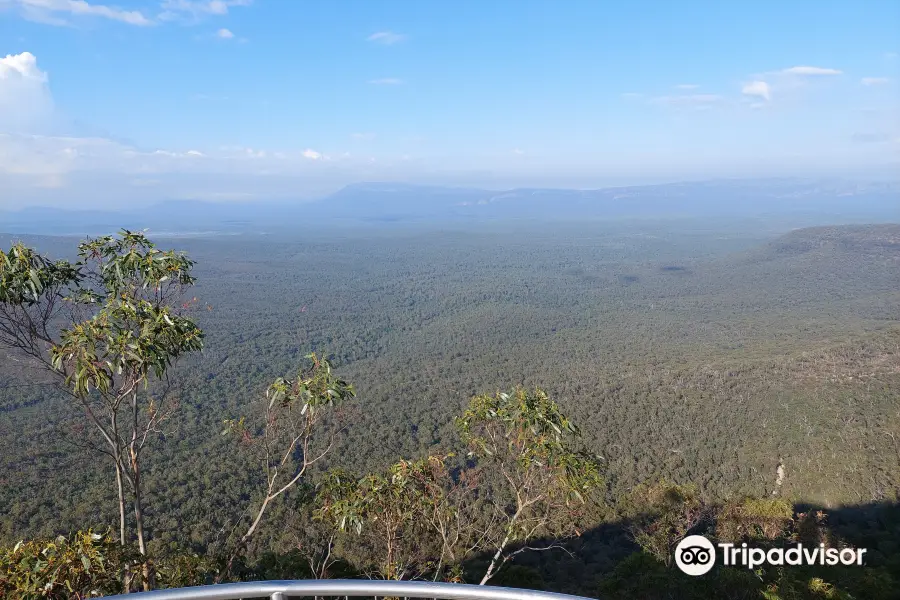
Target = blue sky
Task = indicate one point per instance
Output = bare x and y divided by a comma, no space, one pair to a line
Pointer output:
134,101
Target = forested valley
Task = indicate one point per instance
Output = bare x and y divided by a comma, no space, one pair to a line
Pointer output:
721,378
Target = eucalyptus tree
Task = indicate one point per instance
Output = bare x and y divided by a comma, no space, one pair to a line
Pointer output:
301,421
544,482
391,516
108,325
525,479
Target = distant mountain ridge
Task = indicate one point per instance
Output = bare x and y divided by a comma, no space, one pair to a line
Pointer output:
376,202
878,240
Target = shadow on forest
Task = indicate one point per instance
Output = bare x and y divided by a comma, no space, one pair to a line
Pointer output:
606,562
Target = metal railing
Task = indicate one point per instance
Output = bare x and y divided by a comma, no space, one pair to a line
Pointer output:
352,588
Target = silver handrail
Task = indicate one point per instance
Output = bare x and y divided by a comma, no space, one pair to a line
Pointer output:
282,590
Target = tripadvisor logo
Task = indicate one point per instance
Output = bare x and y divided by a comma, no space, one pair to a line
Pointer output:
696,555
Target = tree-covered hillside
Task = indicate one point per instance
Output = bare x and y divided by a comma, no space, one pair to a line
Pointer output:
703,357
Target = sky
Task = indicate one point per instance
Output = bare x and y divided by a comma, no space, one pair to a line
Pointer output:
132,101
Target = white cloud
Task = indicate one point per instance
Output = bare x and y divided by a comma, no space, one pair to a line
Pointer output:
386,37
759,89
874,80
22,65
788,85
38,157
386,81
37,15
52,12
687,86
66,171
224,34
363,136
216,7
45,11
194,10
518,151
168,153
804,70
39,166
26,105
42,156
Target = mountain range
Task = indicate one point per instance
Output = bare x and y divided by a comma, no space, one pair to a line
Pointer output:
374,203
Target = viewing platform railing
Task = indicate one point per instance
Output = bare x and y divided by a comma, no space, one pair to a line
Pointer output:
350,588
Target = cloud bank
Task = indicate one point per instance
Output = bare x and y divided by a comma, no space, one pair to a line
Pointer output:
42,161
814,71
66,12
45,161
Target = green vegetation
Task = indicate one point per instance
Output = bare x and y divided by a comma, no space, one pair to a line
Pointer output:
104,324
290,442
544,481
758,377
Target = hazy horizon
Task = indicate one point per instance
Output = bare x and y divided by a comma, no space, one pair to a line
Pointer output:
426,185
103,105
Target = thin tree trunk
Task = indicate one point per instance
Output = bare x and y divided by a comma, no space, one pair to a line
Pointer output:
139,522
148,583
121,491
494,561
499,553
126,578
390,557
139,527
244,539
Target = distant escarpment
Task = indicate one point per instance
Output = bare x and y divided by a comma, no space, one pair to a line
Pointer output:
880,240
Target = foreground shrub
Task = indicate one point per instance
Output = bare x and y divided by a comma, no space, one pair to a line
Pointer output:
89,565
79,566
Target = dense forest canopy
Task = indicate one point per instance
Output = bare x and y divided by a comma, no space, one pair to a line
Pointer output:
708,357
